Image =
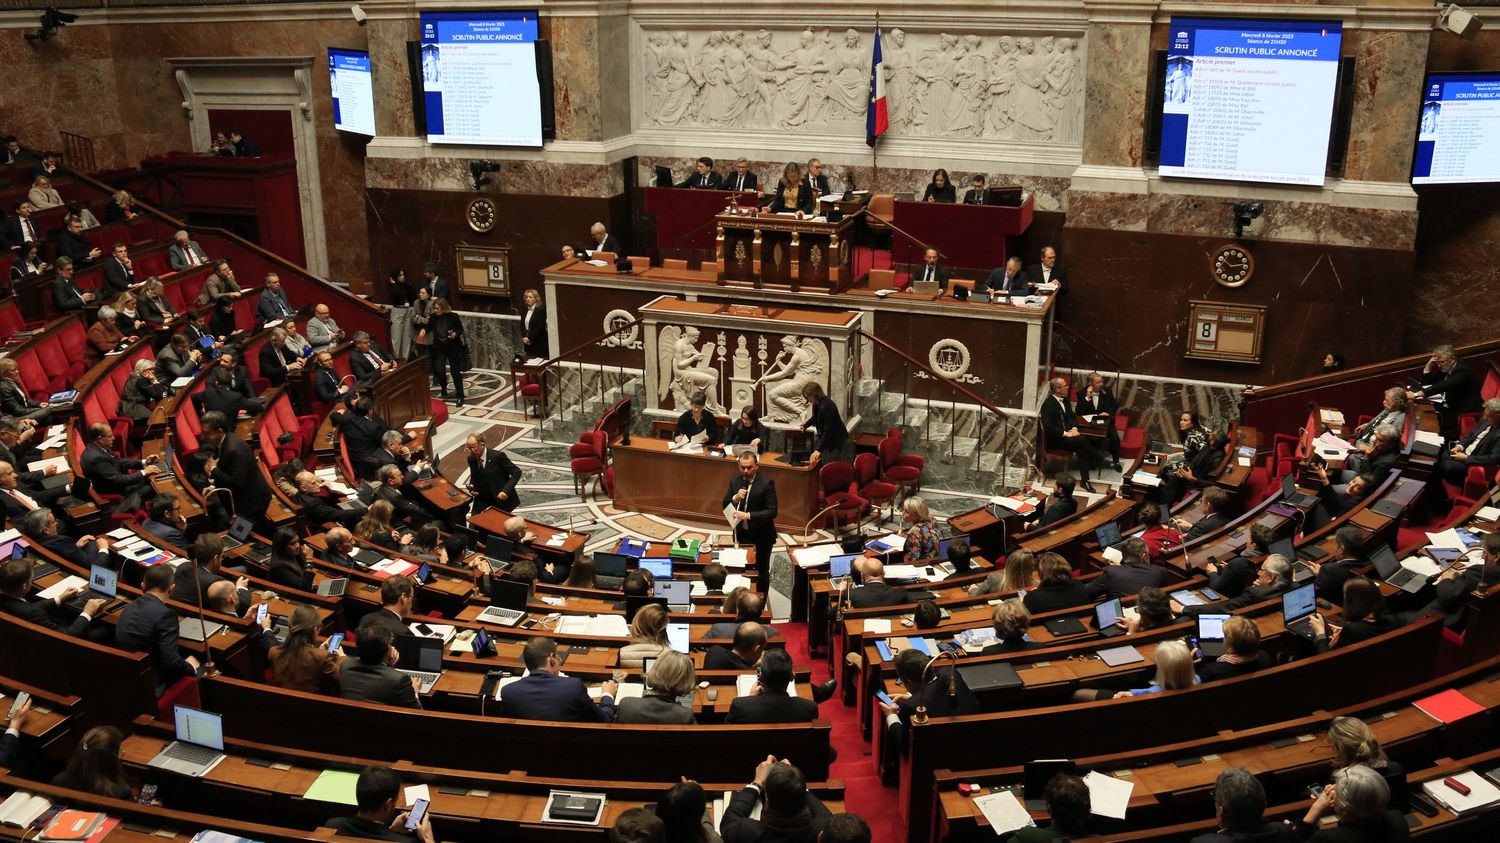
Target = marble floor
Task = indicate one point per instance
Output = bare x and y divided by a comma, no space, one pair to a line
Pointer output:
547,494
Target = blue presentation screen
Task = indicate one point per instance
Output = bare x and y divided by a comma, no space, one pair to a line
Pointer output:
1458,139
479,78
353,91
1249,100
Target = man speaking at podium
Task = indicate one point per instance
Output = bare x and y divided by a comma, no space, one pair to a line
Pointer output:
753,499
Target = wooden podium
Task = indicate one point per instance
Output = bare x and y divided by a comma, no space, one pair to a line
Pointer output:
771,248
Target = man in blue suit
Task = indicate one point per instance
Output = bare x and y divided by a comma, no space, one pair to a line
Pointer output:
545,694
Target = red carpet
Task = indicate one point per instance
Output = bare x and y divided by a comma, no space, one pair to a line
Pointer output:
863,793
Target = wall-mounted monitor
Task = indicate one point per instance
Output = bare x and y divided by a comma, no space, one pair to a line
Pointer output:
353,91
479,78
1458,137
1249,100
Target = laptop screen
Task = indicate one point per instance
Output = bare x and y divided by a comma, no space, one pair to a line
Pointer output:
943,545
659,568
1211,627
1299,603
676,592
420,653
199,727
1385,561
103,580
1107,614
840,566
1289,484
633,604
1284,548
423,573
481,641
240,527
610,564
677,637
498,547
1109,534
509,594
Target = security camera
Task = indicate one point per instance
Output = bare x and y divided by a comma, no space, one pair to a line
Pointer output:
477,170
1246,213
1459,22
51,22
359,15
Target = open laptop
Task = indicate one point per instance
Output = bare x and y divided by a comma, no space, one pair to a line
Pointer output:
1301,572
678,594
660,567
199,745
421,657
104,584
1109,617
611,564
677,637
239,532
1389,568
1108,535
508,600
634,603
841,566
497,551
1297,608
333,587
1211,635
1291,497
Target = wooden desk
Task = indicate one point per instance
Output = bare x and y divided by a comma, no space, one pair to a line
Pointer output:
789,250
683,216
973,236
651,478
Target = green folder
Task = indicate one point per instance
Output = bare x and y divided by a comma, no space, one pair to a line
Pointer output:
336,786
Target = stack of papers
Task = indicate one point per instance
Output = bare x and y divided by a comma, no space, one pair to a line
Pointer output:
1003,811
1332,447
1488,513
877,626
1022,506
739,557
61,463
1481,792
731,582
387,568
557,540
1332,418
1108,795
602,625
66,584
1430,438
1145,478
745,684
815,556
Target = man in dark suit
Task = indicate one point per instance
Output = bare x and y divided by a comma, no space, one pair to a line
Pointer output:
874,591
1449,383
394,451
236,468
391,489
12,152
816,179
148,625
219,397
320,505
788,813
373,677
544,694
931,270
1481,446
706,178
493,476
1273,580
362,430
243,146
70,242
166,521
1346,559
193,578
1455,586
1095,401
276,360
749,644
328,385
773,701
119,272
1048,271
911,664
40,528
1217,502
50,165
1006,281
750,608
437,286
1059,505
753,497
338,549
1240,804
367,360
273,303
67,296
1131,574
18,230
603,241
239,374
1060,430
17,449
975,194
185,253
741,179
375,793
396,597
111,474
15,585
19,498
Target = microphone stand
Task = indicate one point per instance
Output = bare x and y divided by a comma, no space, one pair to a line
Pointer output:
806,538
921,692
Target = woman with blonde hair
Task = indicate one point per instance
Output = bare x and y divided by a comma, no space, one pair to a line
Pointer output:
1012,622
920,533
1354,743
155,310
648,636
376,527
121,207
127,316
1174,671
670,678
793,195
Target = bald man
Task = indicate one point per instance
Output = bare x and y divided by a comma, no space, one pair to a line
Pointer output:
492,477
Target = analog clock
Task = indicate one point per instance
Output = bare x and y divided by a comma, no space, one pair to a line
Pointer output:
1232,265
481,215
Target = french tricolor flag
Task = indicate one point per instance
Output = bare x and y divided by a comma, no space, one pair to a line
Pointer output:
876,119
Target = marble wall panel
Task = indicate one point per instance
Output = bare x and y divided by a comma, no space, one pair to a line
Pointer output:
513,177
1388,76
576,78
392,79
1115,105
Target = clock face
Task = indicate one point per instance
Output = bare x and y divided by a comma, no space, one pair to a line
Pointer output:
481,215
1232,265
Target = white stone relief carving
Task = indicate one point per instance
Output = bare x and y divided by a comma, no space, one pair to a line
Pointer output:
687,369
951,359
800,363
687,366
991,86
622,334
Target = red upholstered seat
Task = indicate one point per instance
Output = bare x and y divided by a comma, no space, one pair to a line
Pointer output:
905,470
869,485
589,459
837,489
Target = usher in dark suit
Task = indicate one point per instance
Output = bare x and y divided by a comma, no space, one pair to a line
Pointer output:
535,330
1060,275
1102,403
495,475
1057,419
760,530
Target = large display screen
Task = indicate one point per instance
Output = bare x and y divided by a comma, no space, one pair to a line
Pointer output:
1249,100
479,79
353,91
1458,139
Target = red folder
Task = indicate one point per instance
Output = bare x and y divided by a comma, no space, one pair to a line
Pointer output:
1448,706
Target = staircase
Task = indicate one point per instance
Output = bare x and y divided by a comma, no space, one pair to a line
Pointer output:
577,395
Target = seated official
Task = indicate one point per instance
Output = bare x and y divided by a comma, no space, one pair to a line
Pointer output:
1272,581
792,194
155,310
1131,574
1455,585
704,176
1347,543
323,331
1450,385
696,421
749,644
273,303
1480,446
1011,622
142,391
671,678
291,562
1008,281
67,296
927,615
1360,798
1354,743
148,625
1365,616
648,637
320,505
975,194
376,528
40,528
1153,610
788,812
942,691
277,360
920,533
104,335
1060,431
1392,412
1068,808
362,430
367,360
1174,671
585,574
179,359
940,189
600,240
748,430
545,694
1058,505
684,817
960,556
1380,460
1047,271
1231,578
390,488
1242,652
874,592
208,554
377,818
95,766
1240,807
748,606
1096,402
1336,499
1201,453
396,597
1216,515
773,701
328,385
1058,589
165,520
1161,539
15,588
15,400
338,549
372,677
932,270
741,179
302,663
816,179
17,498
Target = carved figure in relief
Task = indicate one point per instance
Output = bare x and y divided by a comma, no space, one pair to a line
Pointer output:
935,69
678,87
655,70
798,365
685,368
740,78
765,67
849,82
997,118
714,98
1062,82
970,80
1030,107
900,81
807,63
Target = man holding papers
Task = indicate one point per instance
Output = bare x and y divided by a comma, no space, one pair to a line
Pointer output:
750,506
1455,585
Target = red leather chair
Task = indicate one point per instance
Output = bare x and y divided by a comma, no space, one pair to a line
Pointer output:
905,470
869,486
837,489
1284,456
589,459
530,389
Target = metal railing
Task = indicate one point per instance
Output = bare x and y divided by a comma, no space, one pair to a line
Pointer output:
579,392
78,153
